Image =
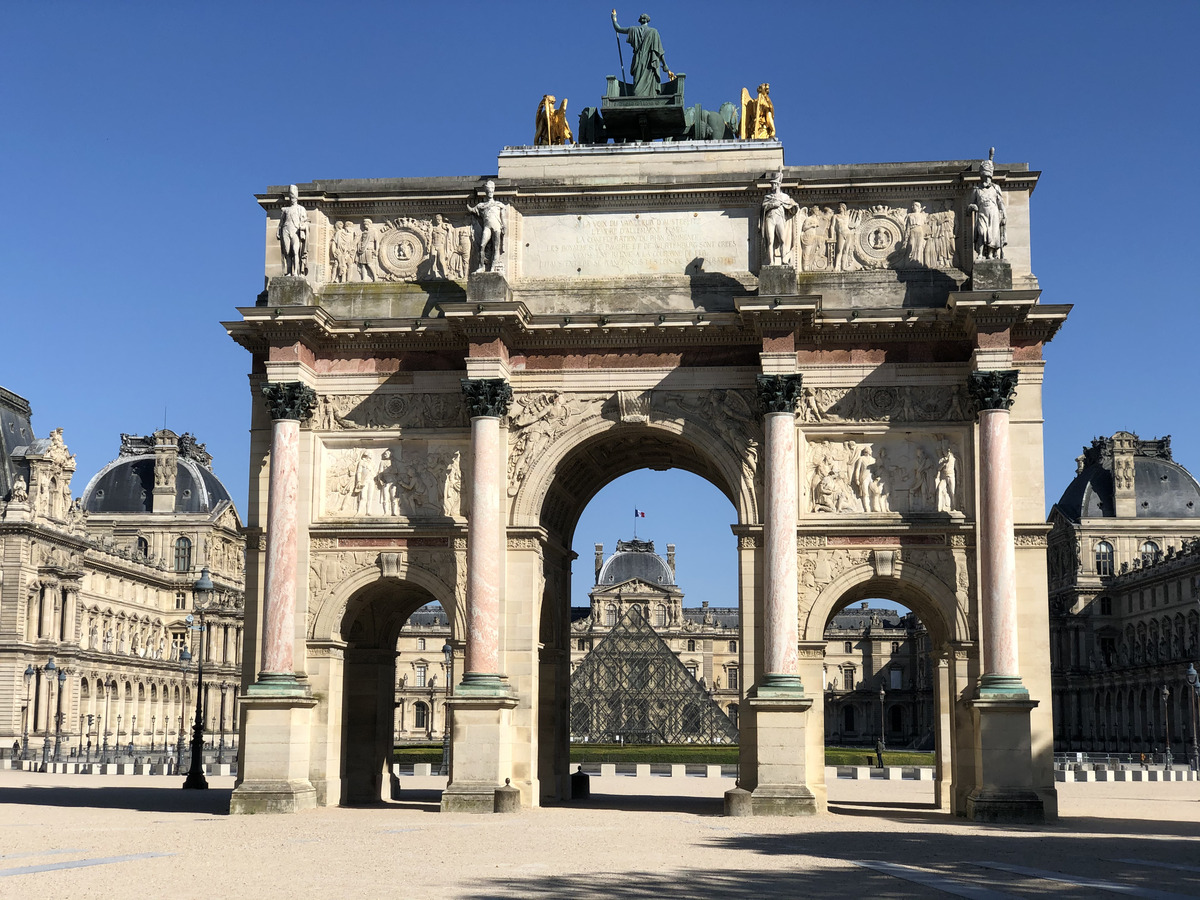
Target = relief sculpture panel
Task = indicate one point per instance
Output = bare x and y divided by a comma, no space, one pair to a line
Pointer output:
884,475
402,249
877,237
535,421
352,411
885,403
404,479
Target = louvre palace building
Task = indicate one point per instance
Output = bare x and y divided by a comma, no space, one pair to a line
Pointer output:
1124,575
95,592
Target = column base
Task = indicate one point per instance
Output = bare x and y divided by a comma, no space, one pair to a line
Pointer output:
481,684
1002,686
256,797
783,800
469,797
1001,807
279,685
783,687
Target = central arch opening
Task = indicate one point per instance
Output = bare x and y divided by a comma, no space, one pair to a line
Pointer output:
640,638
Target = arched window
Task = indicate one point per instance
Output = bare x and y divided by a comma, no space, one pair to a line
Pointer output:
733,646
847,647
660,616
733,678
1104,559
581,644
1150,549
183,555
610,616
847,718
420,643
143,547
691,645
420,716
895,647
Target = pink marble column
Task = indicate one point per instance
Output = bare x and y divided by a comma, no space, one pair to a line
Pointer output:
483,550
289,404
994,392
779,530
777,396
488,400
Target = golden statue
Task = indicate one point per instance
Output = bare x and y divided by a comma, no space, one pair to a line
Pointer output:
758,115
551,126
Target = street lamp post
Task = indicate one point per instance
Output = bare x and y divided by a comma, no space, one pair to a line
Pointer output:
51,671
91,720
1166,696
221,745
1193,681
179,738
152,721
429,717
203,592
882,732
25,711
109,686
58,717
448,655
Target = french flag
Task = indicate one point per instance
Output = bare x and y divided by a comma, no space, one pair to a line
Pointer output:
639,514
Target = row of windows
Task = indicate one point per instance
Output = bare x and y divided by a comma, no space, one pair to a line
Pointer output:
183,554
848,647
1104,556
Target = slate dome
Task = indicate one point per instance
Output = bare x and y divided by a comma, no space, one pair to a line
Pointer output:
126,485
635,559
1164,489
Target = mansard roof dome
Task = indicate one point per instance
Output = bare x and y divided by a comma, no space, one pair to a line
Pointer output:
635,559
126,485
1164,489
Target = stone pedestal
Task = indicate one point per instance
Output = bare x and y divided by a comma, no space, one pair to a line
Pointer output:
991,275
484,287
275,765
776,281
480,758
781,787
1003,750
290,290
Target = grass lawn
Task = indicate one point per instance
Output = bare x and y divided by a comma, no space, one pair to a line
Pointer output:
701,754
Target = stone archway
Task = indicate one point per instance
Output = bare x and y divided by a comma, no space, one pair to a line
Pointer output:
571,472
947,622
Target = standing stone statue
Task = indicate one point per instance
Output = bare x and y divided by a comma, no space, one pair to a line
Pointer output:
293,235
491,213
368,252
987,202
648,56
778,211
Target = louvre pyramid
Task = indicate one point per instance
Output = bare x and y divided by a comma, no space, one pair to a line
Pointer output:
632,688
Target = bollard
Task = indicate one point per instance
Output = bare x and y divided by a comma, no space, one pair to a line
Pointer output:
581,784
508,798
738,802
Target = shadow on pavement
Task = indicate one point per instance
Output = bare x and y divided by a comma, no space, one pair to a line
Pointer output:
214,801
695,806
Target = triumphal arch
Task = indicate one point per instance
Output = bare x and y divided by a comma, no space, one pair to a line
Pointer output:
446,370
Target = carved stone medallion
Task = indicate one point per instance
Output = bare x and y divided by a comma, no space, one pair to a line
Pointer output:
401,252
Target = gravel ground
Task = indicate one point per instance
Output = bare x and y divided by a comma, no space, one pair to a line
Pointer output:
637,838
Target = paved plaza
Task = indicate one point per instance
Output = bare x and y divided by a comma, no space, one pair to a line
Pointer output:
79,837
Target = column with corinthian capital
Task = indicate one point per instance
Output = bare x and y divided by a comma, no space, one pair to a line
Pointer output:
482,701
1003,741
274,756
776,752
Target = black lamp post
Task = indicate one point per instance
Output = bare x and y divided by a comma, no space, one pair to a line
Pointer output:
1194,683
58,716
1166,696
51,671
25,710
221,746
448,655
203,592
109,687
882,733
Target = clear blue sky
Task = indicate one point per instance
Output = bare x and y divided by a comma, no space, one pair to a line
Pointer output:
135,135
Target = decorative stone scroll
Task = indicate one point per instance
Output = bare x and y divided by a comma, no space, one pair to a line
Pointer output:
884,403
996,389
289,400
877,237
407,479
885,475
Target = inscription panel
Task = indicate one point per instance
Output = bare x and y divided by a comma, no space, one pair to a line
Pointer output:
615,244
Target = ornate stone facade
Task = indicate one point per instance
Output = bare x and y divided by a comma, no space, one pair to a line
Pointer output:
627,303
1123,565
102,584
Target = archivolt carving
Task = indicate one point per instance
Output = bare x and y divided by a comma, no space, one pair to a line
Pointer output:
536,420
885,403
354,411
740,428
